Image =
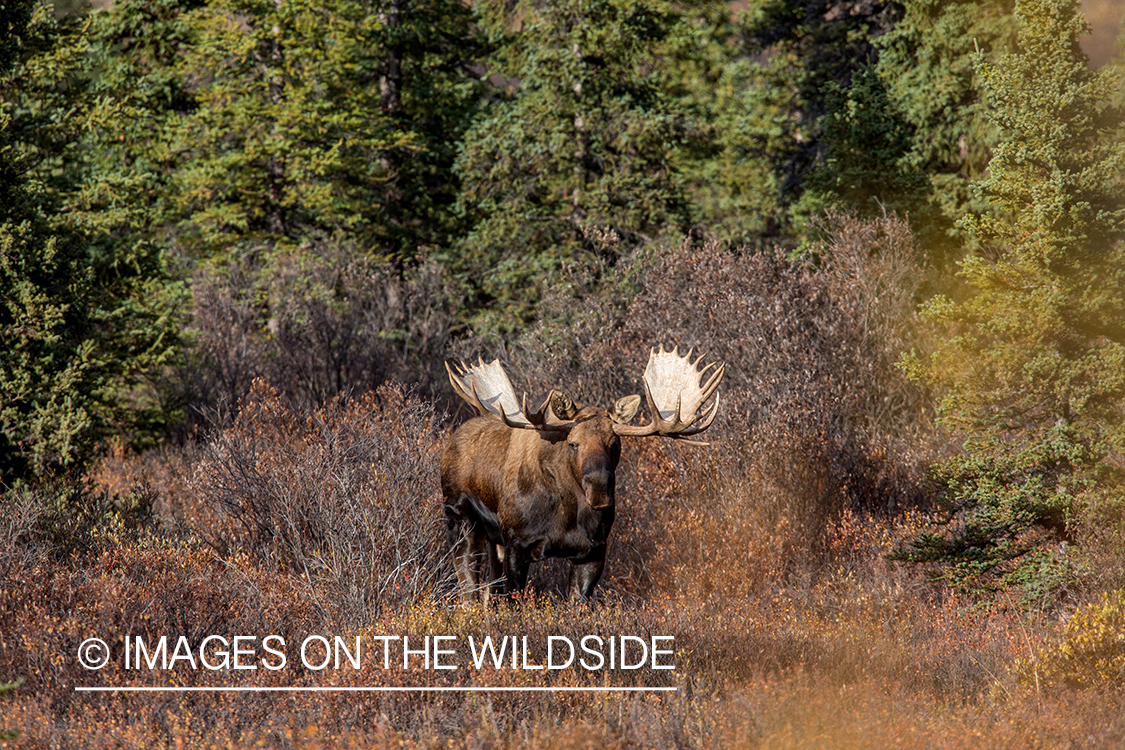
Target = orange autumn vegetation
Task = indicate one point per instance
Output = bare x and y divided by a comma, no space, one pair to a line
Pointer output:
764,555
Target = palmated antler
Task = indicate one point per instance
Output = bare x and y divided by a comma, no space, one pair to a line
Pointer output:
488,389
675,391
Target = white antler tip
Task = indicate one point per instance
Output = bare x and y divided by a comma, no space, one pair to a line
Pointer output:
678,387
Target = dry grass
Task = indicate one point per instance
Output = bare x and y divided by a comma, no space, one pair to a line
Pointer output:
826,667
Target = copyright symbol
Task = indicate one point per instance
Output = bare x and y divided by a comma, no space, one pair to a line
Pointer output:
93,653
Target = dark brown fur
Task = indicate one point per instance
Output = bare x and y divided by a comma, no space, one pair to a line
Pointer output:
514,496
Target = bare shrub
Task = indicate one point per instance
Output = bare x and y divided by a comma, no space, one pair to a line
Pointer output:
20,514
160,475
872,272
345,497
150,590
816,418
343,324
72,519
227,352
318,321
801,342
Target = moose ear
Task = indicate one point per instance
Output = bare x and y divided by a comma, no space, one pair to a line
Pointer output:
562,405
625,409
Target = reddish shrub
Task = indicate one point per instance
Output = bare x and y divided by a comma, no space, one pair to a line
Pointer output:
815,416
345,497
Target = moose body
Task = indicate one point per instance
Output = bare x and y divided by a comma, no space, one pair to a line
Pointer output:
522,486
516,496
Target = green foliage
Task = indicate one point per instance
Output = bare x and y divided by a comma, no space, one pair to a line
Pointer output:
130,106
155,133
81,340
927,64
587,136
320,118
734,189
866,107
14,17
864,167
334,120
5,688
820,116
1033,373
714,84
42,106
85,323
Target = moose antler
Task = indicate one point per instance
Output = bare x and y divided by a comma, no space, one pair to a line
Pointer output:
675,391
488,389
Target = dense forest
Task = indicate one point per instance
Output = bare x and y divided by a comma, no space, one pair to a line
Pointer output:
239,239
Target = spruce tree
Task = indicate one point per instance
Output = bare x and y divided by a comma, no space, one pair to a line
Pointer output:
587,135
929,64
85,325
1032,373
325,119
818,114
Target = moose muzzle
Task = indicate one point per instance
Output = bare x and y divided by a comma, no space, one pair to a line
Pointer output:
598,486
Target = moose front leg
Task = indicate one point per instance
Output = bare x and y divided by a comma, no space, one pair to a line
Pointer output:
585,576
517,562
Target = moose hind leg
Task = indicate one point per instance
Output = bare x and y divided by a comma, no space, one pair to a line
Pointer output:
494,572
464,562
470,556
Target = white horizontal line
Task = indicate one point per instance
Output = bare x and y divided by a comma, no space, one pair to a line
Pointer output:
368,689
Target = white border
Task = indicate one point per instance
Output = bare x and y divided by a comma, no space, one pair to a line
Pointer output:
364,689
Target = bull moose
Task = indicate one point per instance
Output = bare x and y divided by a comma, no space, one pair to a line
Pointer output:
521,486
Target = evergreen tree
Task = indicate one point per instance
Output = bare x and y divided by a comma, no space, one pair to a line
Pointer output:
1034,373
818,113
131,106
864,166
927,64
14,17
83,329
250,138
333,119
711,80
859,106
587,135
734,188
